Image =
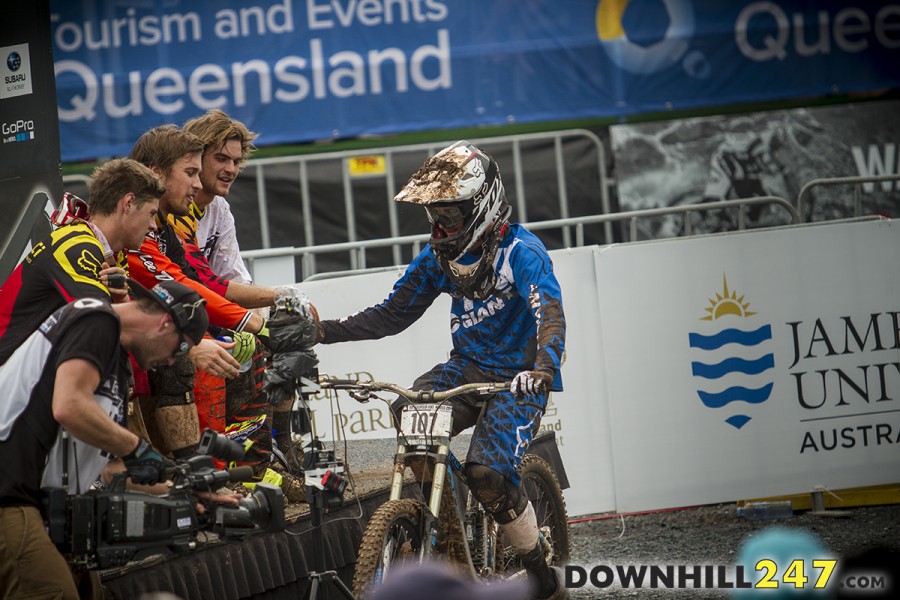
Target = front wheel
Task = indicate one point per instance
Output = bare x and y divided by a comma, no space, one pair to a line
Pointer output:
394,534
540,485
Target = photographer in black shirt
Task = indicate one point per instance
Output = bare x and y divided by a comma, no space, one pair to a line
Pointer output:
62,417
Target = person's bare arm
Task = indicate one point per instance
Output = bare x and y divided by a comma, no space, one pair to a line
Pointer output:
255,324
75,409
250,296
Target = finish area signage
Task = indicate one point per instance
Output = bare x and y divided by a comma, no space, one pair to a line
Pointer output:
303,70
753,364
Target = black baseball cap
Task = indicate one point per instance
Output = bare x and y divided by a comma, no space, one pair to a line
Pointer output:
181,302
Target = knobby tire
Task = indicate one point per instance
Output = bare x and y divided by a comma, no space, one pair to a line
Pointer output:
396,523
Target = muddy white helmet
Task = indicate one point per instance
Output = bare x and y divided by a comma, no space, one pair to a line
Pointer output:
463,196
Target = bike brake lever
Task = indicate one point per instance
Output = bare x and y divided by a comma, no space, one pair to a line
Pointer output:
361,395
495,388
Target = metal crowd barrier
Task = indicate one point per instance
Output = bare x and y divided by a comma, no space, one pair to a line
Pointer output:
357,248
415,242
856,182
514,142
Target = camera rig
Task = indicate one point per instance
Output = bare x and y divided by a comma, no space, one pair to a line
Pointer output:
323,473
108,528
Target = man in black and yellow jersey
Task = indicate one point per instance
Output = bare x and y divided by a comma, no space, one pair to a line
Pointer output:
77,259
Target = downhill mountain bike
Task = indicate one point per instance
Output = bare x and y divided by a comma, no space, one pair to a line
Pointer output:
448,520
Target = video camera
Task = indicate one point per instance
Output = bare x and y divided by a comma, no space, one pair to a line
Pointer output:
324,474
109,528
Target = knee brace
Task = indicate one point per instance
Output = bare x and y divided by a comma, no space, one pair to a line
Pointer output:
499,497
174,385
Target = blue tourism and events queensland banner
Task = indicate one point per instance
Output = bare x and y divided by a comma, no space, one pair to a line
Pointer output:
302,70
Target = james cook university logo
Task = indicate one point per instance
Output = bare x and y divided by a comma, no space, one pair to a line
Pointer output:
731,356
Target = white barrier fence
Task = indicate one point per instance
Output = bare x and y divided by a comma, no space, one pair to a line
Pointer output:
698,370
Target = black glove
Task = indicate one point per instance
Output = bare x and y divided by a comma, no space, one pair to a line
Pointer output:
286,368
145,465
288,333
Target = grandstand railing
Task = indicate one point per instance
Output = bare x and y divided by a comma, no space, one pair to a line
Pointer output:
514,142
514,171
856,181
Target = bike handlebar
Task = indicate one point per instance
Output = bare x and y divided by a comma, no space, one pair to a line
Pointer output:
362,390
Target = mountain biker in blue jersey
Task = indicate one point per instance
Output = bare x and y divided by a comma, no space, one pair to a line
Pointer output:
506,323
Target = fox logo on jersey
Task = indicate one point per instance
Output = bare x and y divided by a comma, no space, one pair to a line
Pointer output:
88,262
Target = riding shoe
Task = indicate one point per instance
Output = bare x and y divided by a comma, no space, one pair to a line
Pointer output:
560,593
547,581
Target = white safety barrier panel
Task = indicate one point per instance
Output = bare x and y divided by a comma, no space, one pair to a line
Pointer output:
752,364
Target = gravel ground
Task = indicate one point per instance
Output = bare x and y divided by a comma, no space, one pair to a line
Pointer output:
713,535
707,535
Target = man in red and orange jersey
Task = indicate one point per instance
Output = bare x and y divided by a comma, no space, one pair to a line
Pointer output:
175,156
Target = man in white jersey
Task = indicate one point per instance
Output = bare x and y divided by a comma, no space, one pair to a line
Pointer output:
227,144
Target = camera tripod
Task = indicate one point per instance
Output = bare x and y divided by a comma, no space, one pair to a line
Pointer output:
317,502
314,464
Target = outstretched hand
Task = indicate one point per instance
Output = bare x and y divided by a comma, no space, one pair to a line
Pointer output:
289,298
289,332
203,497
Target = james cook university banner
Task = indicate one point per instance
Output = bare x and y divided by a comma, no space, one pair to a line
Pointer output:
300,70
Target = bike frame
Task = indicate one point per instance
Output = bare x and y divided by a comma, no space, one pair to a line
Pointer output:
467,534
438,455
446,470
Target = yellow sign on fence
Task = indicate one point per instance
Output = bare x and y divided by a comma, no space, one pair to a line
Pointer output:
362,166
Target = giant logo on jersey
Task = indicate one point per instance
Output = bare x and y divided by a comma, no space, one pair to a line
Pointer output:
473,316
89,263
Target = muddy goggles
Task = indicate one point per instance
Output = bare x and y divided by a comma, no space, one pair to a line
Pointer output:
449,216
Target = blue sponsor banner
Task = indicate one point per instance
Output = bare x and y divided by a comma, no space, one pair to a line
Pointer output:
301,70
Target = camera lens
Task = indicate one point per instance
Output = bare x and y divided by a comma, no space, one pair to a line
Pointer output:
219,446
263,510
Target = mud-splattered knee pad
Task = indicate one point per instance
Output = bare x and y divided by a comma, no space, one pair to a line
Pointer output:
173,385
498,495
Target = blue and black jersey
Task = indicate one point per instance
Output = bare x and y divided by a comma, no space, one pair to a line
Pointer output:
520,327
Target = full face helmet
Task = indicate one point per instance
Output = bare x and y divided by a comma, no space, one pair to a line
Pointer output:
463,196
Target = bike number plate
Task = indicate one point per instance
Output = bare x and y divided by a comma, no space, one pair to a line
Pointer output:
426,423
